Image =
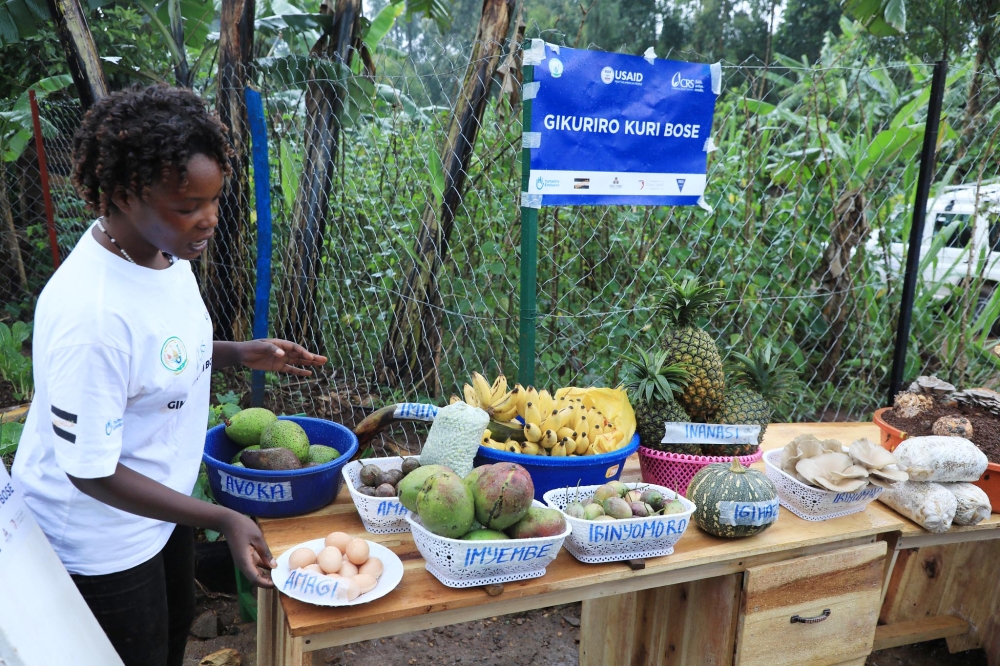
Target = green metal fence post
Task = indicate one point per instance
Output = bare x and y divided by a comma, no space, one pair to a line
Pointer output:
529,254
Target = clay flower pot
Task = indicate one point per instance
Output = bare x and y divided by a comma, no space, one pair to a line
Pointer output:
891,436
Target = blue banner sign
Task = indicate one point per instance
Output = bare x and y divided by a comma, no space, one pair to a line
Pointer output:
608,128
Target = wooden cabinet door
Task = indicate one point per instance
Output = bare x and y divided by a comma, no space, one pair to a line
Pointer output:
811,611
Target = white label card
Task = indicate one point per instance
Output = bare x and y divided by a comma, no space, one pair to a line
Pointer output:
709,433
252,489
748,513
415,411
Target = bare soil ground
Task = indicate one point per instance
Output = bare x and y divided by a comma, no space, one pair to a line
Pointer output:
549,636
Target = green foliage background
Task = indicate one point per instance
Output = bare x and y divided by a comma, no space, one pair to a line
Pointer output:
813,107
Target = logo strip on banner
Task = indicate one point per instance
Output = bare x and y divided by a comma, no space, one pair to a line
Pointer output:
609,128
620,183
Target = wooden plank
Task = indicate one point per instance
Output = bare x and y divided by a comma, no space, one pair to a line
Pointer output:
610,635
844,586
267,601
420,593
689,624
918,631
917,584
972,592
891,541
438,618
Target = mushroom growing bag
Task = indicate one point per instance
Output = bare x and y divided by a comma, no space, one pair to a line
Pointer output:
973,504
943,459
930,505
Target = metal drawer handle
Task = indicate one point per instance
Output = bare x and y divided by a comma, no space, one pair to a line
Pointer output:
812,620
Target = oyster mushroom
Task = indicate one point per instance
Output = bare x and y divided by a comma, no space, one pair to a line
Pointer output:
887,476
819,467
871,455
806,446
932,386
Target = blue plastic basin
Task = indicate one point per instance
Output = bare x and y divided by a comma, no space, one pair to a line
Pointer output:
548,473
272,494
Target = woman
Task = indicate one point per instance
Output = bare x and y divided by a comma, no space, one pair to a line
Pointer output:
123,356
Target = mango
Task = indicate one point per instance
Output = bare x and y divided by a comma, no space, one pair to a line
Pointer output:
484,535
445,505
502,495
245,428
536,523
472,477
410,484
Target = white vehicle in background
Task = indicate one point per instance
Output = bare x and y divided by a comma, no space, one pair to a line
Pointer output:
959,218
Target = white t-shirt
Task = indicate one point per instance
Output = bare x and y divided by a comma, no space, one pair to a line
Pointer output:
122,362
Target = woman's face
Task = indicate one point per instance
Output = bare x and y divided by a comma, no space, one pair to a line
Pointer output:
177,218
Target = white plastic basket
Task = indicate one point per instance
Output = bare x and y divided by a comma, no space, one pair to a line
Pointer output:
627,539
381,515
458,563
809,503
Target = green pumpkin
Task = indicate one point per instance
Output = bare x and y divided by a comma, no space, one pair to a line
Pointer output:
732,500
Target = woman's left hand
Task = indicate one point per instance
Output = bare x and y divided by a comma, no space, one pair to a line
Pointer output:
274,355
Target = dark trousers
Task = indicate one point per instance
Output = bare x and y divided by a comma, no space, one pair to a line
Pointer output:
147,610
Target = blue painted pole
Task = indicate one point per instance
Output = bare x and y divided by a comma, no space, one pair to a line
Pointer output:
262,195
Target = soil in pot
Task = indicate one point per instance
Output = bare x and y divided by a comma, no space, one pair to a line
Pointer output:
985,426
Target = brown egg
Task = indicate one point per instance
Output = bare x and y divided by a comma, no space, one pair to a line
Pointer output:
366,582
338,540
373,567
348,570
357,551
301,558
314,568
348,589
334,576
329,560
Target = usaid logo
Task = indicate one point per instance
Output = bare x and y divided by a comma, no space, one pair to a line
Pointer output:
680,83
611,75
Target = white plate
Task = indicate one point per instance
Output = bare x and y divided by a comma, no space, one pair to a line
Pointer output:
299,586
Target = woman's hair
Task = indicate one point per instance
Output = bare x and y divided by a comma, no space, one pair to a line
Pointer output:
131,139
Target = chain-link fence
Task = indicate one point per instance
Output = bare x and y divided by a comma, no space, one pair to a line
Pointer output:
811,188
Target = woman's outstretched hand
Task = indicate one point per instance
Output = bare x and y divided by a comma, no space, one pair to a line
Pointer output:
275,355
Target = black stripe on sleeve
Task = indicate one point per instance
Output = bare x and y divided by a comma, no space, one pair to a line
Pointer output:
68,436
63,414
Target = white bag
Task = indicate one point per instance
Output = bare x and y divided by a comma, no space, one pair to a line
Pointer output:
973,503
930,505
942,459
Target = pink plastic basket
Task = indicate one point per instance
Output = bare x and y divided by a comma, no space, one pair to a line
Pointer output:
675,470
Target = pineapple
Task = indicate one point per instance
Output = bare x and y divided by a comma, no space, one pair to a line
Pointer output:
651,388
687,344
758,383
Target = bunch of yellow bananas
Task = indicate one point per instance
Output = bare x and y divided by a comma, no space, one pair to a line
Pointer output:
494,399
551,426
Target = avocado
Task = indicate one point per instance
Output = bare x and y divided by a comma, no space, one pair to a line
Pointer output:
286,435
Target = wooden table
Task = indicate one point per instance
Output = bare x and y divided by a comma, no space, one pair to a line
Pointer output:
933,586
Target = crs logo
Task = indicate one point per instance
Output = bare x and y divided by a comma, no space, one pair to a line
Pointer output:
608,74
678,81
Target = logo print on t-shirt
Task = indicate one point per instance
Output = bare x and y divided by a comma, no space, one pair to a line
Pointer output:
174,355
